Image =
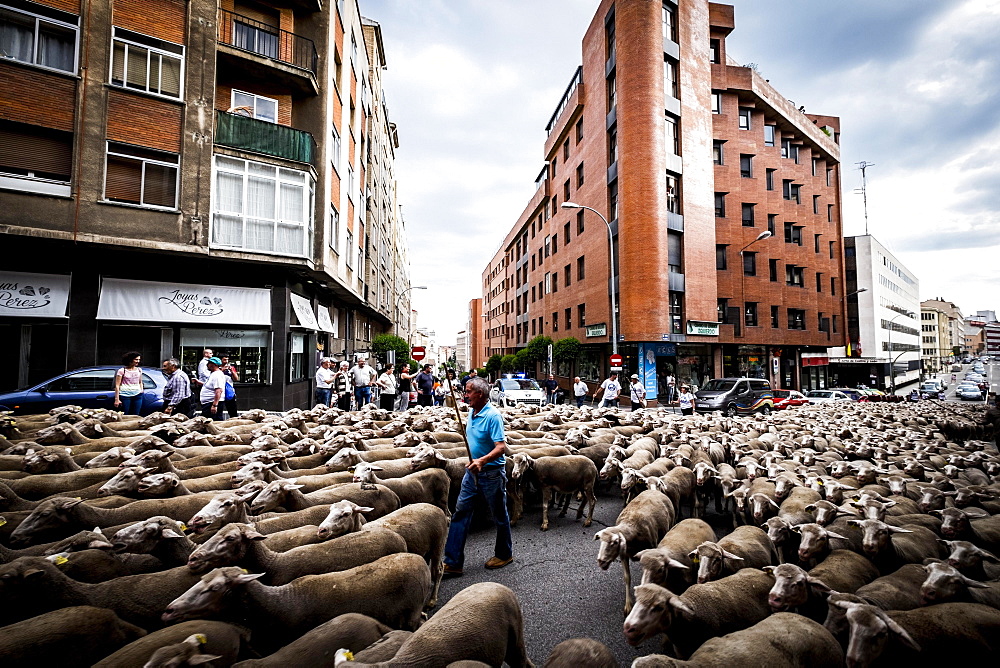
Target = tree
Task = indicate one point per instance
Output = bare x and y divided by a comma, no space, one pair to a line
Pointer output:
507,363
537,349
383,343
523,360
566,350
493,364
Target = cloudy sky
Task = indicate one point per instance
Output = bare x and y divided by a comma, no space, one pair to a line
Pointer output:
472,83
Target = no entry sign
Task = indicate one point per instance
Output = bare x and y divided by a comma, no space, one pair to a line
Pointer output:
418,353
616,362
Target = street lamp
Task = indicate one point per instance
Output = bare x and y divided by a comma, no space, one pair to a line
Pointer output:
766,234
892,361
399,303
611,254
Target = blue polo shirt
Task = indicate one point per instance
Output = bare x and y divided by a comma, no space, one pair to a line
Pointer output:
485,428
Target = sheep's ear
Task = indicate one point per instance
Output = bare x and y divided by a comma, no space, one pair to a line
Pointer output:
362,509
680,606
170,533
900,632
988,556
375,468
97,530
769,569
247,577
974,584
294,486
935,513
66,504
730,555
351,468
819,585
811,508
202,658
638,555
253,534
835,535
673,563
893,529
854,523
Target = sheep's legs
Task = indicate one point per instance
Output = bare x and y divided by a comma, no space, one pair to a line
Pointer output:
546,498
593,502
627,574
437,572
565,506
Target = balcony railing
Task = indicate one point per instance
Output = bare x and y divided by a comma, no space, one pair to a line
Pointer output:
249,134
574,82
247,34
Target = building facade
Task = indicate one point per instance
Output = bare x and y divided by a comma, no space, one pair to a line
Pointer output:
944,338
883,321
475,329
186,174
722,248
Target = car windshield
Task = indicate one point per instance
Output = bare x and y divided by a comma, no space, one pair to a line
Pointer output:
820,394
719,385
782,394
519,384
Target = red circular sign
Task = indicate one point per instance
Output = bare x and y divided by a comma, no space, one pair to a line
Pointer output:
418,353
616,360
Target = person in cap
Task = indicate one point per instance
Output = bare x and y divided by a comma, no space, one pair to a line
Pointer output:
637,393
342,387
611,388
686,400
213,389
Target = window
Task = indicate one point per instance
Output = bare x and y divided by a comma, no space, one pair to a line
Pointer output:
259,207
566,274
548,282
829,176
815,203
744,118
335,149
568,314
48,41
720,205
796,318
819,282
566,192
532,293
768,135
717,152
579,131
579,223
720,257
566,233
581,315
771,221
612,94
297,357
775,317
350,182
772,270
769,178
555,281
149,64
334,234
793,234
247,349
613,145
749,263
141,176
532,262
350,250
257,106
580,269
548,245
722,311
676,311
532,326
716,103
816,242
790,191
829,213
831,249
673,194
566,150
671,85
750,314
579,175
669,22
833,287
555,243
793,276
555,321
747,214
35,159
671,134
552,167
746,166
613,201
713,51
835,326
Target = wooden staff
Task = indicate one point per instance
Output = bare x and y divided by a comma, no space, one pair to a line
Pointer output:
458,413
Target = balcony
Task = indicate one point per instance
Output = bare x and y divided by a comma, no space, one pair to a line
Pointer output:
263,51
249,134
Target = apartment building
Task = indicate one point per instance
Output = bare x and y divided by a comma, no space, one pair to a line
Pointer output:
185,174
883,320
945,334
474,346
722,249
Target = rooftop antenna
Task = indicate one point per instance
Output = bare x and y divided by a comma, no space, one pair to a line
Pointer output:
863,166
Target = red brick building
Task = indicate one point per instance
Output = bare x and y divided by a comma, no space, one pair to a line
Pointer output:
691,158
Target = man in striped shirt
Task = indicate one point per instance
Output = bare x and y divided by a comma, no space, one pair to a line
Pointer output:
177,393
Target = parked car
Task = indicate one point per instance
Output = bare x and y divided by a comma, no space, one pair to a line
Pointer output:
826,396
969,392
89,387
956,367
513,391
852,393
788,398
735,396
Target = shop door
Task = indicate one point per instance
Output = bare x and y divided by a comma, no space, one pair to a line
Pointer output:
47,357
10,341
113,341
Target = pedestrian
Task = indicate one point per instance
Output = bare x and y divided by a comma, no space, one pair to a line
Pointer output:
611,388
485,478
202,373
686,400
637,393
362,379
439,390
449,381
671,387
128,384
213,390
177,393
232,377
403,395
342,387
387,385
324,381
425,386
551,386
469,376
579,391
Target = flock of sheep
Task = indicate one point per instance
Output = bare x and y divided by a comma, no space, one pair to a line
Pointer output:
857,534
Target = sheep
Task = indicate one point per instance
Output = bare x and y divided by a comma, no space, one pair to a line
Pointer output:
922,637
970,524
568,474
392,589
35,487
73,636
890,547
640,526
579,653
797,590
240,544
704,611
972,560
783,639
161,537
944,583
481,623
815,545
218,639
678,485
669,564
795,507
899,590
431,486
351,630
748,546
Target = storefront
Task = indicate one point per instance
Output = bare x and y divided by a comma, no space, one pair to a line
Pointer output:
739,361
815,367
33,327
858,372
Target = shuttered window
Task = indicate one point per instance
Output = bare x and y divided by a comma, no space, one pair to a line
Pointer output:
35,152
145,63
141,176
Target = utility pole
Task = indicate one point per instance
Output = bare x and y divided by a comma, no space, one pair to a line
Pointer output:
863,166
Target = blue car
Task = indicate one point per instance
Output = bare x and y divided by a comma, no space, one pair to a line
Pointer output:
89,387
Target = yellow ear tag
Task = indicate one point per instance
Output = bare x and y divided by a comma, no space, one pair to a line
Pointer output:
77,498
200,638
60,560
3,520
819,482
695,560
244,571
183,527
349,655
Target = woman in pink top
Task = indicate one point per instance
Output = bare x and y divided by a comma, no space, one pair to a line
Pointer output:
128,385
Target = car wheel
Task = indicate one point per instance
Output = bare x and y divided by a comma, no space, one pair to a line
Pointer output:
765,410
731,411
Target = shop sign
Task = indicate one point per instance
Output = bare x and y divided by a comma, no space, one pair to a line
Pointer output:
815,360
217,337
597,330
148,301
665,349
303,311
323,316
854,360
33,295
700,328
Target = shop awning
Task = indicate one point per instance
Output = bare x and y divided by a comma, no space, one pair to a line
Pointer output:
33,295
303,311
148,301
323,317
815,359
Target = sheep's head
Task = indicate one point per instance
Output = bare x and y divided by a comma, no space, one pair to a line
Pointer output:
207,596
345,517
365,473
184,653
252,471
652,613
124,483
792,587
344,459
944,583
159,484
273,495
870,628
522,463
83,540
111,457
967,556
154,459
224,508
144,537
656,565
426,457
710,559
51,515
613,546
227,547
40,461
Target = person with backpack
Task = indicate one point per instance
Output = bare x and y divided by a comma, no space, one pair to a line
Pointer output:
213,390
229,396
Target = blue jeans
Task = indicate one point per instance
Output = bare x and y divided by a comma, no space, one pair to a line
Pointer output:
362,396
131,405
323,395
579,400
491,485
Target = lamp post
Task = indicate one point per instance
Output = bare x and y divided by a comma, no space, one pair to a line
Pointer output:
892,362
399,302
766,234
611,255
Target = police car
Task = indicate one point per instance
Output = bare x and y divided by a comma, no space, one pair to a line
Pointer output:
512,390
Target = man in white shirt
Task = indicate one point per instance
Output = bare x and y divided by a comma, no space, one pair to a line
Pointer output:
212,390
362,378
611,388
637,393
579,391
203,372
324,381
